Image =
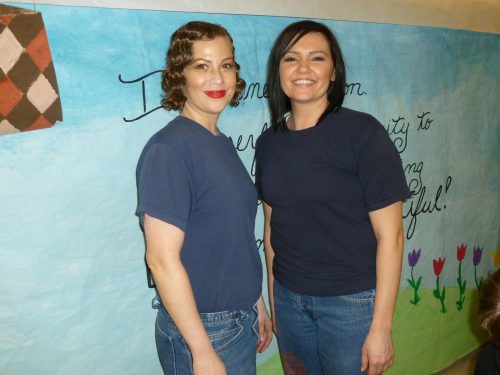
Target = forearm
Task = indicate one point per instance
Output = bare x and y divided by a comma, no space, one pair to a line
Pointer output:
387,226
177,296
269,255
388,263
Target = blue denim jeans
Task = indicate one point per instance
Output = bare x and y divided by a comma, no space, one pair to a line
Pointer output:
233,335
322,335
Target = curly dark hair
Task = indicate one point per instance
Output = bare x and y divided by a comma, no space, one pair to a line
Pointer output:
489,306
180,54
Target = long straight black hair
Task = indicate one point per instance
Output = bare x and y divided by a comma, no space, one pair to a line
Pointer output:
279,103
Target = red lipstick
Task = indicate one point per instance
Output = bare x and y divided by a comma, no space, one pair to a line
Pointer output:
216,94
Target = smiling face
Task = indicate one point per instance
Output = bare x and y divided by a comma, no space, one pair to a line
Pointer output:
210,80
306,71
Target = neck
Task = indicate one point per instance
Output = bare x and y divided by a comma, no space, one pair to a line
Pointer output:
207,121
306,115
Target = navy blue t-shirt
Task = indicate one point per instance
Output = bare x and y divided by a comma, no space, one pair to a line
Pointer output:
321,183
488,360
195,180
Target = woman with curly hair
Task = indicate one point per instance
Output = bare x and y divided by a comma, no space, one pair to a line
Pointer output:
197,207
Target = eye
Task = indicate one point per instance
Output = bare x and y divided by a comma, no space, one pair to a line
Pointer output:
228,66
289,59
318,58
201,66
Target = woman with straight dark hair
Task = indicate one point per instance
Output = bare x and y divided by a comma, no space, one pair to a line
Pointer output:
197,206
332,186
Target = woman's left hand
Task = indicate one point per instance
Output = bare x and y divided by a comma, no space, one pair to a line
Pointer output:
265,326
377,354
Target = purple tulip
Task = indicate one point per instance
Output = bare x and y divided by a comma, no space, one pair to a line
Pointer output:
413,257
476,256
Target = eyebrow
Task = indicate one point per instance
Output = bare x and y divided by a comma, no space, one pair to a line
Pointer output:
310,53
201,59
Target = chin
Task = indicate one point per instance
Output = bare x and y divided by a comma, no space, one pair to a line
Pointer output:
301,99
217,110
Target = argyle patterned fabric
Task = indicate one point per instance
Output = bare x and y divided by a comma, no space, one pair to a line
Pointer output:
29,97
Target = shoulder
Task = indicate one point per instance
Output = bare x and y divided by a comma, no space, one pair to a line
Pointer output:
268,136
270,133
170,142
175,132
176,136
353,129
355,122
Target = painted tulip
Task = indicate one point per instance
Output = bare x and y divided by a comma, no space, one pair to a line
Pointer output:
476,255
461,252
413,257
476,259
438,265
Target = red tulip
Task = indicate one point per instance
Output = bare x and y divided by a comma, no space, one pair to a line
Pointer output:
438,265
461,252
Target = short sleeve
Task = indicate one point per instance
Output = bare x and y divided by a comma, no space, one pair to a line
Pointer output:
381,172
164,188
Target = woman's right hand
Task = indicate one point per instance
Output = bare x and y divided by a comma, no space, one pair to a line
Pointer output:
208,364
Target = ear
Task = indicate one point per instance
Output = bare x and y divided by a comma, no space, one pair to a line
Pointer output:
333,76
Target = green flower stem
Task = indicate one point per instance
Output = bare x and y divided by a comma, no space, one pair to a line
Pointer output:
440,295
416,298
478,284
461,287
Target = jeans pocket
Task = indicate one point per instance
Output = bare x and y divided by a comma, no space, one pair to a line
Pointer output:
173,352
165,326
166,353
223,334
361,298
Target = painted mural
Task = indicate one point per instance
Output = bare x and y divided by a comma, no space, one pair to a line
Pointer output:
74,290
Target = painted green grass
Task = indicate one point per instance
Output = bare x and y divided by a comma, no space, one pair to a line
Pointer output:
425,339
271,367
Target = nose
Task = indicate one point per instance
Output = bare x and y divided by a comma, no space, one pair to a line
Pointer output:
303,65
216,76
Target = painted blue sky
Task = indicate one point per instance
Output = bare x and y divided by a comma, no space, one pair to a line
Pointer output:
71,251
